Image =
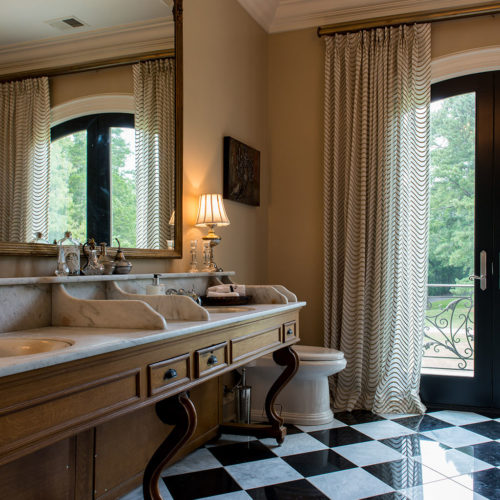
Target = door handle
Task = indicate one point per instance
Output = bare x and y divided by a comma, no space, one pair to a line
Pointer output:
482,271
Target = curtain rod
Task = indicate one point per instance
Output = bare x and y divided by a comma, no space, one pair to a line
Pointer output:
428,16
79,68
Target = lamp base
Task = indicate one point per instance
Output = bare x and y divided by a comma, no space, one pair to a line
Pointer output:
214,241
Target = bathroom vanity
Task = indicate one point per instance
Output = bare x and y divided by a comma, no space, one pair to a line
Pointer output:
90,414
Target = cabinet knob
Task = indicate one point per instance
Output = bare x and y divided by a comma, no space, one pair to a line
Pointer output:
171,373
212,360
289,331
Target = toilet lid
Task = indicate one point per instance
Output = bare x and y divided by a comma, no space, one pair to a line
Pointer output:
314,353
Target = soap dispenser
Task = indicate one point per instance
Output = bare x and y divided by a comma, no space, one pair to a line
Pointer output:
156,288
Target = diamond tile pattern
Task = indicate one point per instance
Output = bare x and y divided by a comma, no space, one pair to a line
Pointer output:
446,454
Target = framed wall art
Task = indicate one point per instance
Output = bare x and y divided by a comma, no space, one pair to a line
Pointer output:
241,172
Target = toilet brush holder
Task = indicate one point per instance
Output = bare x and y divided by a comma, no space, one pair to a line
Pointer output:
243,400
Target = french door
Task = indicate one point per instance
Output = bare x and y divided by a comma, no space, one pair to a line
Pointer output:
461,364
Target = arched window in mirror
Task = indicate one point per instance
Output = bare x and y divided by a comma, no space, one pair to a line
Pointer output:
92,179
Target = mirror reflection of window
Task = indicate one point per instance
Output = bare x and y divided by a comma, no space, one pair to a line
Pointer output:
92,179
123,193
68,187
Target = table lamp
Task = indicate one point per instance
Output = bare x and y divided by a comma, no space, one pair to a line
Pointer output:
211,213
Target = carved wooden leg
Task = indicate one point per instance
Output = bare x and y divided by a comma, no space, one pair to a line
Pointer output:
179,411
284,357
287,357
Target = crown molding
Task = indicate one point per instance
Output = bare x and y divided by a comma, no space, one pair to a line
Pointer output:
263,11
276,16
87,47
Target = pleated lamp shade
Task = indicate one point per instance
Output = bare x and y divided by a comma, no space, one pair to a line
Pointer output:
211,211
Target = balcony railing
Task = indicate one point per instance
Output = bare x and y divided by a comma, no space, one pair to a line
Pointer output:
449,331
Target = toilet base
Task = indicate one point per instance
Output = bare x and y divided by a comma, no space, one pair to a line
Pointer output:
319,418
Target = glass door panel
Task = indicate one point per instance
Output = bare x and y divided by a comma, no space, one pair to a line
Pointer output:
458,334
449,325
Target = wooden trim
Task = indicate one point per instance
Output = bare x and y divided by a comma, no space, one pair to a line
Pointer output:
427,16
90,66
35,250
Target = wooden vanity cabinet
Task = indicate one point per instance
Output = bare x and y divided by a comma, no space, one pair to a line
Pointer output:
92,421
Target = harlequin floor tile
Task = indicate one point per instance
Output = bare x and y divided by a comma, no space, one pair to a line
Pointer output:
296,443
487,452
318,462
382,429
262,473
458,417
485,482
379,457
489,429
441,490
404,473
456,436
357,417
367,453
294,490
453,463
200,484
422,423
350,484
414,445
340,436
241,452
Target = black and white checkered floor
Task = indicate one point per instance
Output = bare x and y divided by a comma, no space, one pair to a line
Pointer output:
441,455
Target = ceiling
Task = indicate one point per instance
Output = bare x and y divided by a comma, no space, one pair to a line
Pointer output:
24,21
285,15
27,20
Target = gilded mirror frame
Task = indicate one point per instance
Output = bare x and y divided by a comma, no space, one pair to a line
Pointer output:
33,249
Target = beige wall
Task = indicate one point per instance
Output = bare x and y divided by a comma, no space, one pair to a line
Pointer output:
265,90
295,136
225,82
225,76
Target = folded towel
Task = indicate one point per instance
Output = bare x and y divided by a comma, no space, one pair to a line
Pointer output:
222,294
239,289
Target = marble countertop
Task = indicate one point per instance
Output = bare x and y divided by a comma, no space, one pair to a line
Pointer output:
89,342
103,277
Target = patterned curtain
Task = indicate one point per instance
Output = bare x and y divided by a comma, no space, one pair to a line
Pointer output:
24,159
154,92
376,210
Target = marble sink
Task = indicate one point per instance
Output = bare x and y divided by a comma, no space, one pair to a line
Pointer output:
22,346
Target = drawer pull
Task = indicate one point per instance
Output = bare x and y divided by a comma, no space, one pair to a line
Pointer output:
212,360
171,373
289,331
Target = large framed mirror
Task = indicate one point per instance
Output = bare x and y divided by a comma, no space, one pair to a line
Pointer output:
113,171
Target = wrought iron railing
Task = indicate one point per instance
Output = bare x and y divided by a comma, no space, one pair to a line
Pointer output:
449,331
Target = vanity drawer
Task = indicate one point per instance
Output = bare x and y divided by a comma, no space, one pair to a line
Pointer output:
77,405
210,359
166,374
242,347
289,331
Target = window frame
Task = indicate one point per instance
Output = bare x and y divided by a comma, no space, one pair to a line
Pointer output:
99,187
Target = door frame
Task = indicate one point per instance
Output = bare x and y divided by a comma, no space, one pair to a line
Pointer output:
476,391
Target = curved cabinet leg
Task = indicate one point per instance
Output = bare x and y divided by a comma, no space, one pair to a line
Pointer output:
284,357
179,411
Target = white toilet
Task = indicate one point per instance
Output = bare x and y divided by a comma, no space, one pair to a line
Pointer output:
305,400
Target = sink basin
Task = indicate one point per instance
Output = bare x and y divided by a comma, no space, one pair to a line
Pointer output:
23,346
228,309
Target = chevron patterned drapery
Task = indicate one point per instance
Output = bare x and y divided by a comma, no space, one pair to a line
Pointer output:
24,159
376,173
154,92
